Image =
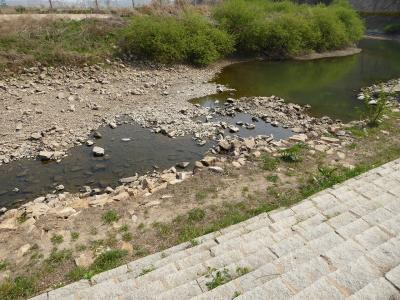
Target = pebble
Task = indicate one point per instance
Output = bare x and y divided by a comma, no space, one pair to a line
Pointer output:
98,151
183,164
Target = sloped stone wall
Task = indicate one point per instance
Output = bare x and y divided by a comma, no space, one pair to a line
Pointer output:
376,5
366,5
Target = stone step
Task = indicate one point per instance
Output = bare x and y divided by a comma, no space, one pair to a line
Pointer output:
309,271
341,242
324,243
175,253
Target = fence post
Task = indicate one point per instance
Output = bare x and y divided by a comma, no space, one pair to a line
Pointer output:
97,4
51,4
133,3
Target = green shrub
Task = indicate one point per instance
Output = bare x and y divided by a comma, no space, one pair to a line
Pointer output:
284,28
188,38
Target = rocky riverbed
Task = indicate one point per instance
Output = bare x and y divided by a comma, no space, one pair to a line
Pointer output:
52,110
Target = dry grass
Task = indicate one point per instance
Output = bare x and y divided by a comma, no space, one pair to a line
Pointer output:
25,41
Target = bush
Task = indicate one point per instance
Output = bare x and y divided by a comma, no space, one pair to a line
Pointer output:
284,28
188,38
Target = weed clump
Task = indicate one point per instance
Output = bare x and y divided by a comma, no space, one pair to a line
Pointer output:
293,153
110,216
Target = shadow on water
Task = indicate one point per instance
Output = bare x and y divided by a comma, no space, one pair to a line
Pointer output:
329,85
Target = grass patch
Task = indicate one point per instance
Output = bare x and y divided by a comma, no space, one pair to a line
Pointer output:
124,228
127,237
74,236
196,214
201,195
272,178
269,163
108,260
56,42
20,287
58,257
105,261
110,217
57,239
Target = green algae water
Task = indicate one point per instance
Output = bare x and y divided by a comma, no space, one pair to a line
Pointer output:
329,85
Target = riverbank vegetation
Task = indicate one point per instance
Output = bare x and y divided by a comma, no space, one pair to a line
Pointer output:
189,35
284,28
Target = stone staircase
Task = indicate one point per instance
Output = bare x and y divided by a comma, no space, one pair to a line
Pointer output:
341,243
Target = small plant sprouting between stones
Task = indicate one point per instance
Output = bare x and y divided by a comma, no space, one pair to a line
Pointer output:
219,278
222,277
110,217
293,153
22,218
240,271
193,243
236,294
147,270
375,107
